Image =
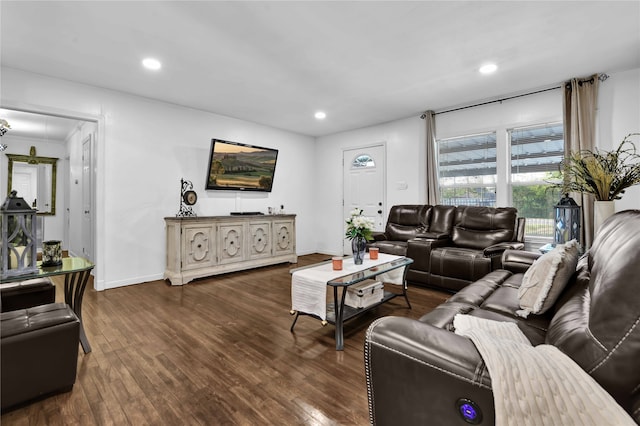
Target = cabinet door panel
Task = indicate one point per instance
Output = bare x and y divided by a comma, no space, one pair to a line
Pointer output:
199,247
231,242
283,237
259,240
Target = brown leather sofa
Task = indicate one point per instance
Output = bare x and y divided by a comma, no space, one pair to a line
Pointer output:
417,370
450,246
38,344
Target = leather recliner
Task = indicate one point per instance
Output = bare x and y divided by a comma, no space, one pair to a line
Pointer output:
417,370
404,223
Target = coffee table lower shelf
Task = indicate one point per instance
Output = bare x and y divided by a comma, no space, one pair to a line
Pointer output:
346,313
350,312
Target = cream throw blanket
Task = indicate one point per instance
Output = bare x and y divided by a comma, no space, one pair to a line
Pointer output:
537,385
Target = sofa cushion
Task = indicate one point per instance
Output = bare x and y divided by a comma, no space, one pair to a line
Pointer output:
479,239
442,317
543,282
36,318
442,219
406,221
477,292
396,232
399,248
481,227
456,262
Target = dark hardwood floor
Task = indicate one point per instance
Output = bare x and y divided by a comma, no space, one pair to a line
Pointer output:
216,351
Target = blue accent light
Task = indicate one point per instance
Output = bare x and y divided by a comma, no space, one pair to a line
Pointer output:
468,412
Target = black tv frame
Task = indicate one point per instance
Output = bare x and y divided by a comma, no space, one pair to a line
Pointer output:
238,172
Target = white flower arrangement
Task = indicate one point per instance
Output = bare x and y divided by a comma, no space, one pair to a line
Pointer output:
359,226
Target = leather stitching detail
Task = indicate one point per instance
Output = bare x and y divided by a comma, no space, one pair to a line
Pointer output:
635,324
459,377
595,339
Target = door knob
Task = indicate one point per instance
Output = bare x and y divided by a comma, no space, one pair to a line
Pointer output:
379,211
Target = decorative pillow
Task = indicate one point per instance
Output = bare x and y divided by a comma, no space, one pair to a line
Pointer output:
546,278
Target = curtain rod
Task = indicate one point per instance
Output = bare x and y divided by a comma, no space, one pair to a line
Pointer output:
601,77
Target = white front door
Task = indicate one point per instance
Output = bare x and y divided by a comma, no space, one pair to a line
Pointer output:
364,184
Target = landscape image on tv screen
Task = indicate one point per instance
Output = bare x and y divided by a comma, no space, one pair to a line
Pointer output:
241,167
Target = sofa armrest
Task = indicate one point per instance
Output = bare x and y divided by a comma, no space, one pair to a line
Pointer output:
379,236
498,249
433,235
419,249
518,261
416,372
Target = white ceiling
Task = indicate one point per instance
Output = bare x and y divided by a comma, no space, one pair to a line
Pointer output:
363,63
38,126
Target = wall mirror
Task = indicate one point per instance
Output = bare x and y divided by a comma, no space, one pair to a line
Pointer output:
35,180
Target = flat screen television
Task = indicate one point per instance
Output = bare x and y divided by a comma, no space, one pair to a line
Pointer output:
237,166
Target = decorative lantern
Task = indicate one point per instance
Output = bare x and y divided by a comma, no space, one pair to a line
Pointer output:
567,220
18,253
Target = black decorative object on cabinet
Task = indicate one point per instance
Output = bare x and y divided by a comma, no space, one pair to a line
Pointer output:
188,198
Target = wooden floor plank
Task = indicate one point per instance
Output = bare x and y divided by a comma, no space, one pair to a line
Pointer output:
215,351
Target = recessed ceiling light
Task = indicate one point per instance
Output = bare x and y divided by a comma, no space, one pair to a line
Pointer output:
320,115
151,64
488,68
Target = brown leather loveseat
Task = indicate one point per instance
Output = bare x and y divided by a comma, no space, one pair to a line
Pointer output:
418,370
450,246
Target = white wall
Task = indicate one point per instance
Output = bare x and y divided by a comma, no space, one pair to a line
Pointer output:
618,115
405,152
144,147
53,224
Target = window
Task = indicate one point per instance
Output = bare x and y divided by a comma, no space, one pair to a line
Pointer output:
467,170
363,160
536,152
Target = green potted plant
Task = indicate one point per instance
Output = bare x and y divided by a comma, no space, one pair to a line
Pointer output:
604,174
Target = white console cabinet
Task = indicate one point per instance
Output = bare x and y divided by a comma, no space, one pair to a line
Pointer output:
203,246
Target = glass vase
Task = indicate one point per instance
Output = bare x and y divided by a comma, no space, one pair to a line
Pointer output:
358,248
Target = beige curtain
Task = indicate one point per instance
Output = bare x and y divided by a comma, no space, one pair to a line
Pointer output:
579,110
433,194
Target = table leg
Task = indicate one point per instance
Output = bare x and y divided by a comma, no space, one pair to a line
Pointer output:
74,286
294,320
405,286
339,312
406,296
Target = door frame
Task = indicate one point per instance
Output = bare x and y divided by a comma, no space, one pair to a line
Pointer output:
382,144
97,184
88,240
